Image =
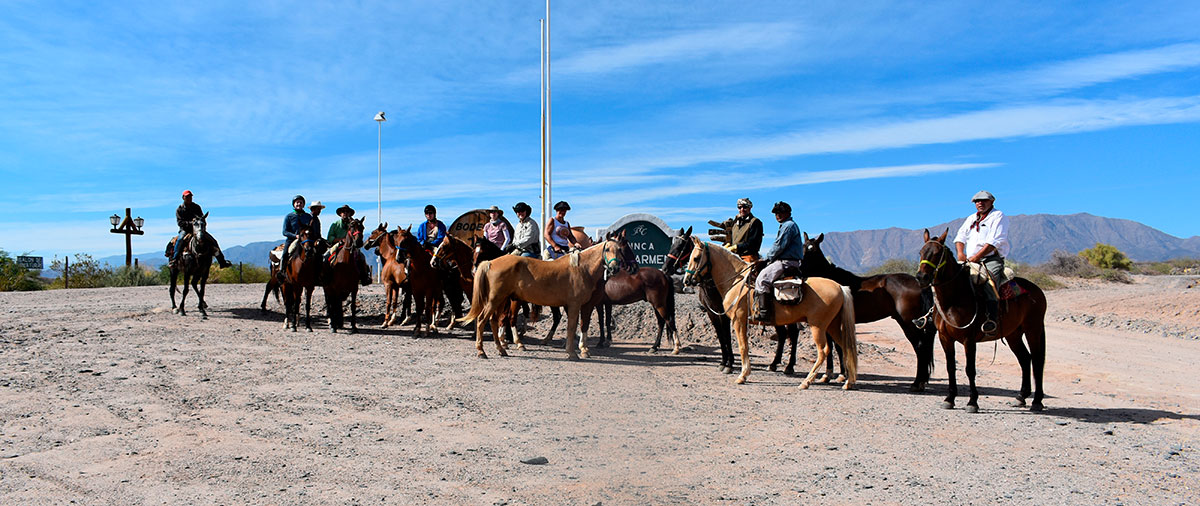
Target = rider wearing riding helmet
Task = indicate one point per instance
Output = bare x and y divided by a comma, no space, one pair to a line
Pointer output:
292,223
558,232
184,214
431,233
983,239
786,252
496,230
525,238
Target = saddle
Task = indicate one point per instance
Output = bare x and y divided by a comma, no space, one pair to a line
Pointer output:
171,244
1004,289
276,256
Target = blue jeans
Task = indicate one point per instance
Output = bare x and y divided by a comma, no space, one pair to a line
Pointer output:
178,245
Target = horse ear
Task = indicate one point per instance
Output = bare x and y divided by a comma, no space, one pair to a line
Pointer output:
942,238
206,216
384,226
689,231
820,237
805,236
926,235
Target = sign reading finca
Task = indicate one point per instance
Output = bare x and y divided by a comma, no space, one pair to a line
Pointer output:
649,237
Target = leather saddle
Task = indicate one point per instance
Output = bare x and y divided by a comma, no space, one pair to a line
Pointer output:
1004,289
171,244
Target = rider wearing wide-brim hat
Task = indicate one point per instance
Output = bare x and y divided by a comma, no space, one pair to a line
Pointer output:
184,214
496,230
338,230
525,232
558,232
983,239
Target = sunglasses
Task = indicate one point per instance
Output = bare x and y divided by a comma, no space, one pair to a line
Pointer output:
743,207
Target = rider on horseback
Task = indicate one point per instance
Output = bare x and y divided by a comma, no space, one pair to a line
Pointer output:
292,223
558,232
496,230
525,237
338,230
785,253
431,233
746,232
184,214
983,238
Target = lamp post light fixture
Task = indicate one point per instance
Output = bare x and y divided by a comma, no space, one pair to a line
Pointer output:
130,227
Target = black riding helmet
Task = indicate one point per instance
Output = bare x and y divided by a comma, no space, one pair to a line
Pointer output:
562,205
522,207
781,207
298,197
430,209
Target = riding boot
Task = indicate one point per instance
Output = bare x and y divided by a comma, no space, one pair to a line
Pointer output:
221,261
990,307
766,304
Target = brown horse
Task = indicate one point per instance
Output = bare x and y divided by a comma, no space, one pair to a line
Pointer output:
393,274
302,273
959,315
898,296
425,282
453,258
647,284
567,281
487,250
343,277
194,262
823,304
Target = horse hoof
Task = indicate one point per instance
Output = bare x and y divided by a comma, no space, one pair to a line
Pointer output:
481,355
805,384
503,353
584,354
972,408
841,379
333,330
741,380
521,347
572,356
823,378
772,367
789,372
916,387
1037,406
1019,403
848,386
947,405
676,352
727,370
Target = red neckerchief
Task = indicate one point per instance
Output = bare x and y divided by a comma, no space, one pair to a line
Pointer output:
979,216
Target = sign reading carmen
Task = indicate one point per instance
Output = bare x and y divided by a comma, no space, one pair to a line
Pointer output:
648,238
470,225
30,262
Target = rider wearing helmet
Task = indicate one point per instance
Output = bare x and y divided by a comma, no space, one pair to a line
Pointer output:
292,223
786,252
983,238
558,232
525,238
431,233
184,214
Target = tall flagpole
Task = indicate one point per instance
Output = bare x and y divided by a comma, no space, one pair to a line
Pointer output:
549,116
542,97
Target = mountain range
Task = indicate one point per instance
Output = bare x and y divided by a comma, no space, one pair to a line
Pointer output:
1033,236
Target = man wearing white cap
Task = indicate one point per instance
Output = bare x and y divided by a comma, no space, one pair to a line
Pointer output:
983,238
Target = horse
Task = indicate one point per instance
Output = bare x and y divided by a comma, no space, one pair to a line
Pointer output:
958,319
567,281
194,262
677,255
484,249
344,277
393,274
823,303
453,258
647,284
301,274
425,282
898,296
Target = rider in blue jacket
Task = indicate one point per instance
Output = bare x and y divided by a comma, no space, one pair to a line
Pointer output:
431,233
291,226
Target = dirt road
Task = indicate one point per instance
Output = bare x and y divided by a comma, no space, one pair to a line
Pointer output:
107,397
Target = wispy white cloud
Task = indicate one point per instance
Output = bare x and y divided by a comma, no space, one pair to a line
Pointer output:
686,47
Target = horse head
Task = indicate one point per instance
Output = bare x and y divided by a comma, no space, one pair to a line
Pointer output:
935,259
376,236
443,254
617,255
356,233
199,231
813,257
681,246
698,264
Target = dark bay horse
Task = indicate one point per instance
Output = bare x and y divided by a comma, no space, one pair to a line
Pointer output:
194,262
302,272
344,277
898,296
393,273
648,284
453,258
711,301
959,315
425,282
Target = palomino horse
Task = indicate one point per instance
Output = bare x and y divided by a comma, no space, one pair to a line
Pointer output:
567,281
425,282
487,250
394,272
959,316
647,284
710,298
194,262
823,302
343,277
453,259
301,274
897,296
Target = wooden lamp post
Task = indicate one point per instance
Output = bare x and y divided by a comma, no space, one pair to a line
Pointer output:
130,227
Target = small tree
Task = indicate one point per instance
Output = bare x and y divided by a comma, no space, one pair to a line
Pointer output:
13,277
85,272
1105,256
895,265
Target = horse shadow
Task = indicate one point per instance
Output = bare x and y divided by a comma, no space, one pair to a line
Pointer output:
1139,416
367,324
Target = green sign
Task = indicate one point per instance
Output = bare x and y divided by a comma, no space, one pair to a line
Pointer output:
648,242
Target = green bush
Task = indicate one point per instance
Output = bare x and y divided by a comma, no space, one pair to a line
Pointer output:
247,274
1115,276
1174,266
1105,256
1065,264
904,265
14,278
132,276
85,272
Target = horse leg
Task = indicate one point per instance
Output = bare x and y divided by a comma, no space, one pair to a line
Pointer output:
722,325
1035,332
973,402
922,344
174,274
604,324
556,317
497,334
484,315
952,388
202,306
572,326
739,328
1018,348
585,318
307,309
263,307
822,345
780,340
183,295
609,325
418,313
793,336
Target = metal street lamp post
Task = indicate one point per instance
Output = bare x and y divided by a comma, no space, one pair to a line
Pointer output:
130,227
379,119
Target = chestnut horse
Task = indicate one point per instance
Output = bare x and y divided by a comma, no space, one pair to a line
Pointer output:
824,302
567,281
194,262
393,273
302,273
898,296
647,284
959,316
453,258
344,277
425,282
487,250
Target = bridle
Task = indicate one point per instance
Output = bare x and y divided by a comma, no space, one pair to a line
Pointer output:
621,264
943,261
707,266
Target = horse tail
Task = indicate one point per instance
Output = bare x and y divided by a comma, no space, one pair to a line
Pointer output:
849,334
479,288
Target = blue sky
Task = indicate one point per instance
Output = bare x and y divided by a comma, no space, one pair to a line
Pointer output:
867,116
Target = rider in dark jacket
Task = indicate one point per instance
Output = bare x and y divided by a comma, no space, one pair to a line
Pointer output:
184,214
291,227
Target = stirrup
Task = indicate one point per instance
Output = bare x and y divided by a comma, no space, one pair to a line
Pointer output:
920,322
989,328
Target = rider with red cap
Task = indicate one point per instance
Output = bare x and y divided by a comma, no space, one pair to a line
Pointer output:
184,214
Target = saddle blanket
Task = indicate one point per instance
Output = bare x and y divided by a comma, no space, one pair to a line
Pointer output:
1010,290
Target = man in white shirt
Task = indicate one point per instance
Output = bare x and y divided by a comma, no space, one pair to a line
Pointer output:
983,238
525,235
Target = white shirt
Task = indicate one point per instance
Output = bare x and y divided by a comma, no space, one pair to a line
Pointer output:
526,235
992,230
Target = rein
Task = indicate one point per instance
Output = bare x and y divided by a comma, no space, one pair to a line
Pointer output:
934,284
708,263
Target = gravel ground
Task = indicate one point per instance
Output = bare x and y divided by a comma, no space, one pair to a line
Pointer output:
108,397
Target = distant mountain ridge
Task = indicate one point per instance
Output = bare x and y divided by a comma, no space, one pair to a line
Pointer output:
1033,237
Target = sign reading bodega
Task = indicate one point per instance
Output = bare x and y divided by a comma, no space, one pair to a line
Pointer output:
648,236
470,225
